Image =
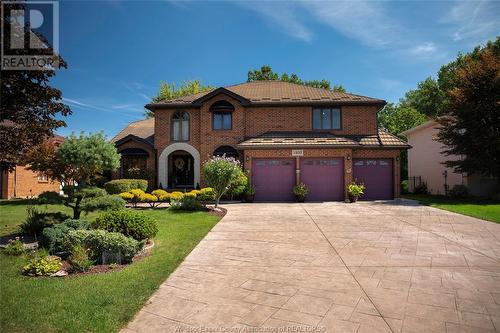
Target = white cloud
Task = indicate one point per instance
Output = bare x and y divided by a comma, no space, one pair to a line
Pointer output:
116,108
364,21
283,14
474,20
424,49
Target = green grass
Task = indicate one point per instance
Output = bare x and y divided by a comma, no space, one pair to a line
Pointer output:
482,209
93,303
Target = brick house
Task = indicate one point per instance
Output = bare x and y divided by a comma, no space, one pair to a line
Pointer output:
283,133
23,183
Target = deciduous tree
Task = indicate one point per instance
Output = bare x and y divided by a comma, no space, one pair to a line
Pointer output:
267,73
471,127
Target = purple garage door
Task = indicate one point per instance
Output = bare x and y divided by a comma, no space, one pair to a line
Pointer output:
324,177
376,175
273,179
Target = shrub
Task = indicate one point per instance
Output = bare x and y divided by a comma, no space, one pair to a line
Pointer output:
42,265
152,200
300,191
52,238
79,259
127,196
162,195
37,220
458,191
49,197
405,189
206,194
237,188
106,202
176,196
125,185
421,189
14,248
128,222
99,242
187,202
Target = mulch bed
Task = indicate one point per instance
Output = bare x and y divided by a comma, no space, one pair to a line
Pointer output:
220,212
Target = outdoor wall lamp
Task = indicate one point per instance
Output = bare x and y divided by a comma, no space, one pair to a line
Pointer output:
348,157
397,158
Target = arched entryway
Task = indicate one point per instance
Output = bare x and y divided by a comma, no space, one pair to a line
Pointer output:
179,166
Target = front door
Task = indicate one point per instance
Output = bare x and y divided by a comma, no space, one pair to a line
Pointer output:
181,170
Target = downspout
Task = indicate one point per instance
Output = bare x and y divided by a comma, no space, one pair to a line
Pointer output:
15,181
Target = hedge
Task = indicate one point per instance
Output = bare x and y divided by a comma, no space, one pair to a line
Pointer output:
118,186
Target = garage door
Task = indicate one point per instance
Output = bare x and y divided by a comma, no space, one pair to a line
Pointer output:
324,177
273,179
376,174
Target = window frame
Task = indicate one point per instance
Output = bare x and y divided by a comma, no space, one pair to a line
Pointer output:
230,113
331,119
173,121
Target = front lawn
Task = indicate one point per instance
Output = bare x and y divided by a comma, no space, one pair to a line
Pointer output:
482,209
92,303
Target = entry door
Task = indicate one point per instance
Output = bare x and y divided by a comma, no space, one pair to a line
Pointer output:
377,176
273,179
324,177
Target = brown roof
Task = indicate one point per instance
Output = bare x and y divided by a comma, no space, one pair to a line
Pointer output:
142,129
274,92
314,139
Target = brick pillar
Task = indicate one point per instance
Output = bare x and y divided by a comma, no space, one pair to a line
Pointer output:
348,177
297,170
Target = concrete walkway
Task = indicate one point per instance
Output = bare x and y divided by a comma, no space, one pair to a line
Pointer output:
364,267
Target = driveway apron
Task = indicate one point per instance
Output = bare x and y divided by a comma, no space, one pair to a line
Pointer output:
366,267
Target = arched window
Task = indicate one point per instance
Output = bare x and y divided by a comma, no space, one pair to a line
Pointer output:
227,151
222,115
180,126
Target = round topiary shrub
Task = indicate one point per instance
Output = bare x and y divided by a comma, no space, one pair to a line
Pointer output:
118,186
128,222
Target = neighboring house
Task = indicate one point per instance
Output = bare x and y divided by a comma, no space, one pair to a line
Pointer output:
283,133
425,164
24,183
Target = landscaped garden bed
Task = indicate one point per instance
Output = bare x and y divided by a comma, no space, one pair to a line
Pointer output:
103,298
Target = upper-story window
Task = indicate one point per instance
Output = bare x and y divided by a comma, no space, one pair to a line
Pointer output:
326,119
222,115
180,126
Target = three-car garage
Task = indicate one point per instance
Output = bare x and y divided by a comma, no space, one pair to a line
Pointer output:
274,178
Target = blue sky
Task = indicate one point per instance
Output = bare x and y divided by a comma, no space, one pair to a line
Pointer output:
119,51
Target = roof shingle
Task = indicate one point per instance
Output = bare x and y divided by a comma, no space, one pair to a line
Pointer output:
143,129
278,92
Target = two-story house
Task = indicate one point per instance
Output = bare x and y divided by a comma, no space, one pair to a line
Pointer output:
283,133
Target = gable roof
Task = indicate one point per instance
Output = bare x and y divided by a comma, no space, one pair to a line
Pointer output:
429,123
143,130
271,93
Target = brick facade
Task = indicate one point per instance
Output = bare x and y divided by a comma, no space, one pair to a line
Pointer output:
251,121
23,183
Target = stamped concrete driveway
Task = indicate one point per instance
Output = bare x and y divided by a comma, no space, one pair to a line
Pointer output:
364,267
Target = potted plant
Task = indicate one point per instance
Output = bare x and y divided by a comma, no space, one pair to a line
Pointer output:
355,191
300,191
249,193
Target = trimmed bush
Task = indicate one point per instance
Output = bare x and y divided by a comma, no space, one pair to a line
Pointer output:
125,185
206,194
52,238
107,202
100,242
49,197
162,195
37,220
128,222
